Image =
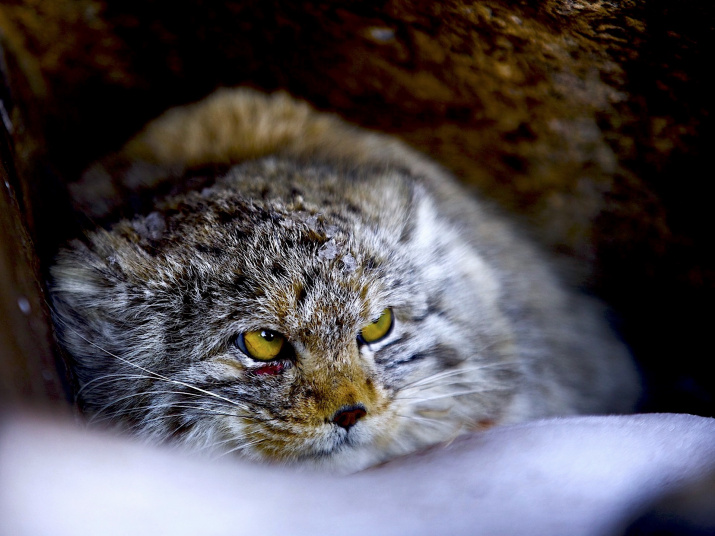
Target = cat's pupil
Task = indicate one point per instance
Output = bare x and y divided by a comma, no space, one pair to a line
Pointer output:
268,335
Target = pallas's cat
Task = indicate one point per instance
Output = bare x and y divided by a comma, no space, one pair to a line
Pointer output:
269,281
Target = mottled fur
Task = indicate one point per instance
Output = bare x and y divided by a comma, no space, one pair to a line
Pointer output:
272,216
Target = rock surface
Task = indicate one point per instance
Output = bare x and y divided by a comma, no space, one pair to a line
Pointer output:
591,120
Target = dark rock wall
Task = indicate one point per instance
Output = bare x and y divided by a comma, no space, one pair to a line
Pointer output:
589,120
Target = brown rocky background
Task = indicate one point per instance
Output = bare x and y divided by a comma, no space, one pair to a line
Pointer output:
591,121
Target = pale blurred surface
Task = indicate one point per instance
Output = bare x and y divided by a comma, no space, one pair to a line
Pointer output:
573,476
590,121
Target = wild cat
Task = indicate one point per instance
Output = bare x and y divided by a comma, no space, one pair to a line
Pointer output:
272,282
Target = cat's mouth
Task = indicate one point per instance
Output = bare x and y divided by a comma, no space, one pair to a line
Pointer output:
345,450
350,440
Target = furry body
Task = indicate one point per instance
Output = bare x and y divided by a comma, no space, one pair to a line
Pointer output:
264,215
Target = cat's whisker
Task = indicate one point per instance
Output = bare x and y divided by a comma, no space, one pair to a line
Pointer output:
101,415
464,376
453,395
147,394
216,444
449,387
151,393
426,420
96,382
201,413
455,372
156,375
242,446
445,384
156,406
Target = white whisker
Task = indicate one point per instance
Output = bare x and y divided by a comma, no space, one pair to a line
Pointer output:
114,378
454,372
427,420
452,395
134,409
242,446
157,375
216,444
201,413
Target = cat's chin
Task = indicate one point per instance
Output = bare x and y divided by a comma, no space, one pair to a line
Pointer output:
343,453
354,454
342,460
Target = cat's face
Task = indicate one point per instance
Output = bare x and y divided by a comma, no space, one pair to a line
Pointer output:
307,318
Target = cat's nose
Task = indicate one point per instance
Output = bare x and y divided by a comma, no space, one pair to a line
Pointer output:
347,416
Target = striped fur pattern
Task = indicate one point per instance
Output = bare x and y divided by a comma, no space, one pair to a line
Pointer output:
265,215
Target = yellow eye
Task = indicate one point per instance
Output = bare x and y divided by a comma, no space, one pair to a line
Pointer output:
379,329
263,345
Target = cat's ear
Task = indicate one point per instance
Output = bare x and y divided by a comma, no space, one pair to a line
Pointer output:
115,182
428,226
88,309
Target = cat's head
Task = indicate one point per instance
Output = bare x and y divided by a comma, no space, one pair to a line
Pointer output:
287,313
